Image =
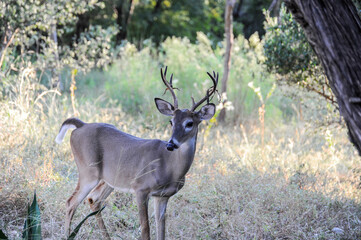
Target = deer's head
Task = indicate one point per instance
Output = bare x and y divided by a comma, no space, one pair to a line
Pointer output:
185,121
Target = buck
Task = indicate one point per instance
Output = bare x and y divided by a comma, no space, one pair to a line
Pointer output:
109,159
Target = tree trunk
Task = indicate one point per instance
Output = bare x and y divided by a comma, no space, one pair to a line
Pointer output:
333,29
227,56
237,10
56,82
151,22
121,34
275,7
125,10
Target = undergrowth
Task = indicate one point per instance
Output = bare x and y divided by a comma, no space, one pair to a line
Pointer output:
300,185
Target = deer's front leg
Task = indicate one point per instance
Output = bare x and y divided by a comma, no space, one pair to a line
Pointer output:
142,202
160,206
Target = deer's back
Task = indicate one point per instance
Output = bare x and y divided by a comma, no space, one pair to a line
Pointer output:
107,151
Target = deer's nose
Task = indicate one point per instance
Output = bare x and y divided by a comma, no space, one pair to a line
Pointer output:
171,145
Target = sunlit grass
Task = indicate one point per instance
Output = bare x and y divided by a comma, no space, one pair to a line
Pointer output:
299,185
302,183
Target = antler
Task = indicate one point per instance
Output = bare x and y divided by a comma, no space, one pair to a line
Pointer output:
169,85
210,92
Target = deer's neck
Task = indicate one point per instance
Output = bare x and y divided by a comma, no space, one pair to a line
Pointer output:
185,154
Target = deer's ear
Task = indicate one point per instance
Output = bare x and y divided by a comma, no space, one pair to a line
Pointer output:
207,111
164,107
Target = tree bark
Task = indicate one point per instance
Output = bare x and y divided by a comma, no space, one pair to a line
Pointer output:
228,27
151,22
125,11
333,29
56,82
275,7
237,10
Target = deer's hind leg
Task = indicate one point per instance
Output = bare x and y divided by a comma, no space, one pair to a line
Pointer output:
96,199
83,188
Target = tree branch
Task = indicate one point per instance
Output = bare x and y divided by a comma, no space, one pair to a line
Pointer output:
6,44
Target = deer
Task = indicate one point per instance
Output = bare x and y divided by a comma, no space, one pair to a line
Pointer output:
109,159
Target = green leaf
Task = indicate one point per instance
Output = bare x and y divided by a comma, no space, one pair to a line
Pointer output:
32,226
26,225
3,236
76,230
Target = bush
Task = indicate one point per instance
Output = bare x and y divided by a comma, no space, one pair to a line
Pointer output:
134,80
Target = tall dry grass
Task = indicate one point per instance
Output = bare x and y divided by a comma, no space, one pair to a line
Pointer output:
300,185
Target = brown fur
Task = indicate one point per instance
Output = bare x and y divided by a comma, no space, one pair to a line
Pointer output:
107,158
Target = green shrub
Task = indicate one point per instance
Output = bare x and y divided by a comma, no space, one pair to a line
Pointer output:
134,80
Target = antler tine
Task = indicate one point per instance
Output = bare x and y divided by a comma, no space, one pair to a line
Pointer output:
214,78
209,93
193,102
169,85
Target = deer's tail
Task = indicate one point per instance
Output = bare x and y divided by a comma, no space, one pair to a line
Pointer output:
70,123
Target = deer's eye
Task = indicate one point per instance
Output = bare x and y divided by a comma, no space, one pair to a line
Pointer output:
189,124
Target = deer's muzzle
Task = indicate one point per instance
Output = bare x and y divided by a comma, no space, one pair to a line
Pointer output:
171,146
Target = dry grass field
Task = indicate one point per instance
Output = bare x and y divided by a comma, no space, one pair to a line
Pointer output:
300,185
